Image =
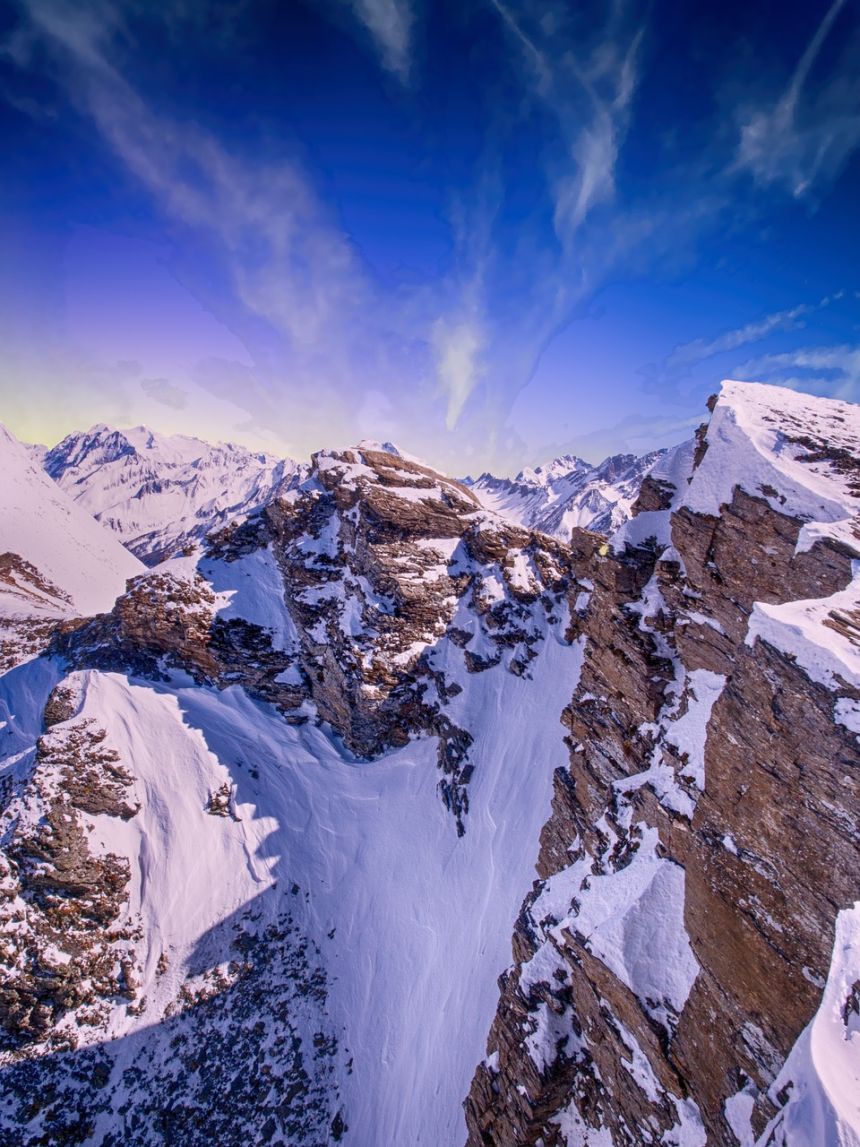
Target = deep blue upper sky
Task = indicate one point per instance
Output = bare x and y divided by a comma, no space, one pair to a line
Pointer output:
492,231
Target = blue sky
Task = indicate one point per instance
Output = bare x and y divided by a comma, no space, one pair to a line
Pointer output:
492,231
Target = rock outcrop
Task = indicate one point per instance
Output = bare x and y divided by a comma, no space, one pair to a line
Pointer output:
374,564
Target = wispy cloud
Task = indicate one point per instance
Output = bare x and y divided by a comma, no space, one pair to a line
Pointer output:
587,85
444,360
305,304
807,135
678,365
458,347
289,264
698,350
390,23
166,392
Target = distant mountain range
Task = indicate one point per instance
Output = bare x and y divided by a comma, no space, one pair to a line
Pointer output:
568,492
159,493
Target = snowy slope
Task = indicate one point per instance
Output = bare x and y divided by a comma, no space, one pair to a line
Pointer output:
81,566
413,922
160,492
568,492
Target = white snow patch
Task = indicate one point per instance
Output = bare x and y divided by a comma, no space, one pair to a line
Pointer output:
633,920
688,733
254,591
738,1109
801,630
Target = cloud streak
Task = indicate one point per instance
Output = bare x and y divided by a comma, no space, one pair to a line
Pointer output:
588,90
698,350
828,370
390,23
806,137
686,357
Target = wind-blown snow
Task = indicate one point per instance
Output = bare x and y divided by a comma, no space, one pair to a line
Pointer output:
822,1073
674,468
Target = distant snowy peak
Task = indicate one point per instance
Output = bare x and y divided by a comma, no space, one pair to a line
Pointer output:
553,471
55,561
160,493
568,492
79,562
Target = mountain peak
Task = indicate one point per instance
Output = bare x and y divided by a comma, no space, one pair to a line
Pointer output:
162,492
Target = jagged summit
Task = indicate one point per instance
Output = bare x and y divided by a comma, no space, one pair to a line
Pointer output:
388,448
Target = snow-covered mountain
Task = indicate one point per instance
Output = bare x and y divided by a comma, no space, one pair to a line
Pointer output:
158,492
291,770
568,493
269,823
55,561
676,968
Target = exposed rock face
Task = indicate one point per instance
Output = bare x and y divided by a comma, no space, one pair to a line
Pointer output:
234,1040
376,562
702,841
68,939
33,608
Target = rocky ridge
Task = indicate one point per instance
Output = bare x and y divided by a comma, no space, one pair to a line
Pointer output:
374,565
704,838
